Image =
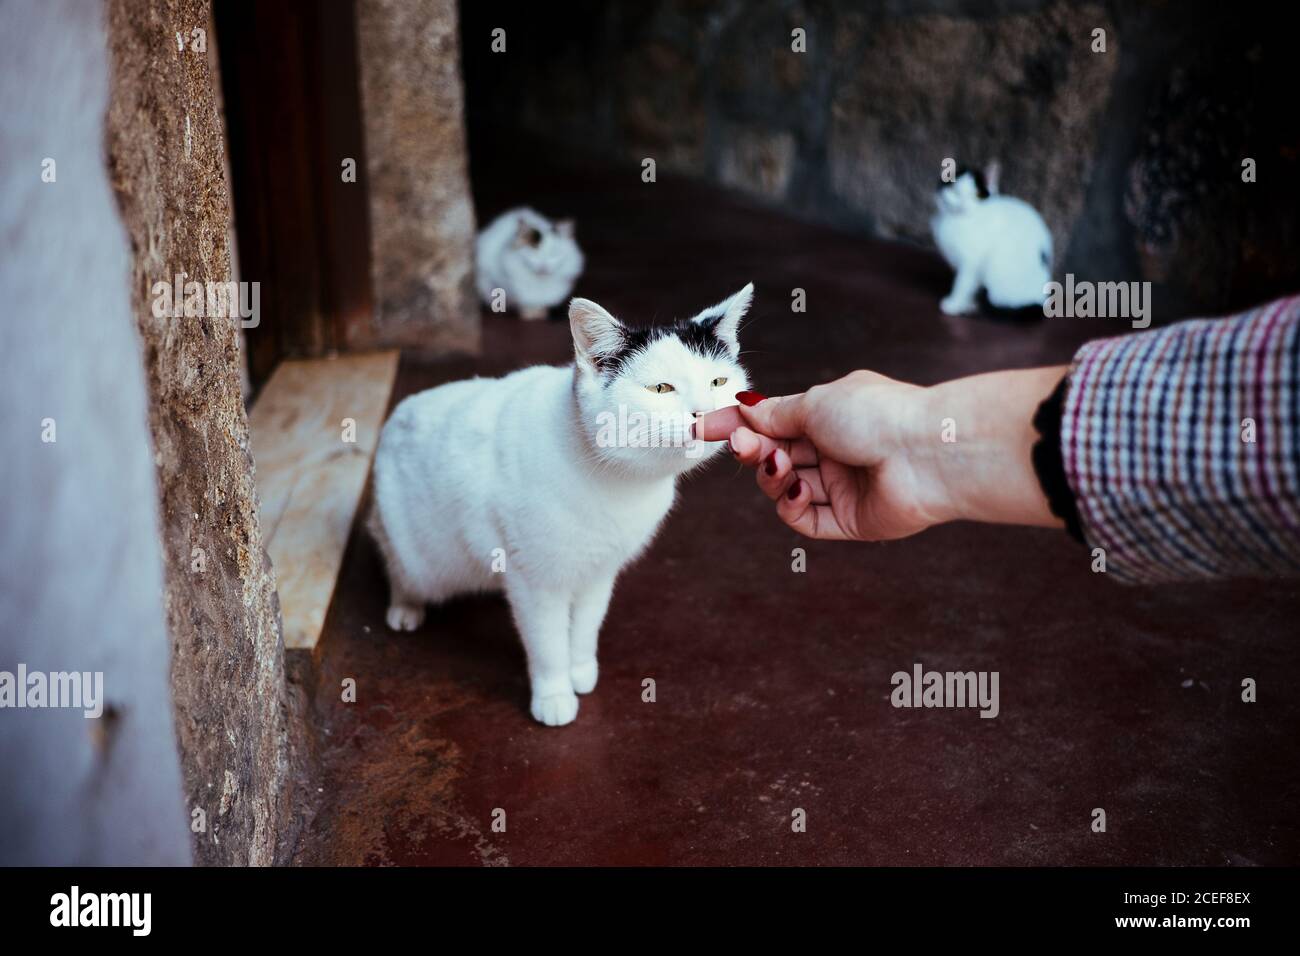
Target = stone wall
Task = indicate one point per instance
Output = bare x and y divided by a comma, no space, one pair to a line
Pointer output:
1132,155
421,216
165,151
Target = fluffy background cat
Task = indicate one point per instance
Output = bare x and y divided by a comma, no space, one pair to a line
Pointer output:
533,260
557,476
996,243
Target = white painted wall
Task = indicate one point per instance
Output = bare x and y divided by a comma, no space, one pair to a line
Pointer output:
80,564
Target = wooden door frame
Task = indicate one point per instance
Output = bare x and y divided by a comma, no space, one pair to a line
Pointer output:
291,88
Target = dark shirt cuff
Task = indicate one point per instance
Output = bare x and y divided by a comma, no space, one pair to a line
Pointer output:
1048,463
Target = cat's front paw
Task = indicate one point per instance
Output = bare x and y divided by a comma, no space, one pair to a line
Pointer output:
951,305
404,617
555,710
583,676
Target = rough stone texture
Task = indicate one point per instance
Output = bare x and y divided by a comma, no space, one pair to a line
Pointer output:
81,588
1201,233
1132,155
911,89
422,219
758,161
165,146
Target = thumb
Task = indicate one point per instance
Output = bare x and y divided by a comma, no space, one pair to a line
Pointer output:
781,417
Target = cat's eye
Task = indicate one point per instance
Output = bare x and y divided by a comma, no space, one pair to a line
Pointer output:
661,388
719,382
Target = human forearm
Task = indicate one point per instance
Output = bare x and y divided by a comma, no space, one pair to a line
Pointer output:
977,434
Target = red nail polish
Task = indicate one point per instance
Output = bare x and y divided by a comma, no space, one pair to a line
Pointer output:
750,398
793,493
771,464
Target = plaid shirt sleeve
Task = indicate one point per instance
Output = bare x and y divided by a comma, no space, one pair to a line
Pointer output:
1182,447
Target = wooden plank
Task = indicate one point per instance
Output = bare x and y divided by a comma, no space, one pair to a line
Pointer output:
310,477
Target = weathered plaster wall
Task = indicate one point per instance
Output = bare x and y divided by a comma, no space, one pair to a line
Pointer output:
1132,155
165,148
421,217
1023,88
80,565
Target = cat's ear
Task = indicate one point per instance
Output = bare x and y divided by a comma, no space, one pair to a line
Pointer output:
723,319
992,173
597,335
565,228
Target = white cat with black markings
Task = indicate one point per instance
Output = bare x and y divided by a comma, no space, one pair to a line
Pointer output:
546,483
532,260
996,243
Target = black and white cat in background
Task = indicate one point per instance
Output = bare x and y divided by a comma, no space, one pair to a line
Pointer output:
996,243
526,262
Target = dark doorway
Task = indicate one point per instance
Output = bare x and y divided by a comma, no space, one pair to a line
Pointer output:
290,80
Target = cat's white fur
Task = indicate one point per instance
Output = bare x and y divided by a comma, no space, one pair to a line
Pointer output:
517,472
533,260
999,244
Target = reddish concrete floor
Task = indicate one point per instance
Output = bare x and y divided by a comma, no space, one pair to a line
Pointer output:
773,687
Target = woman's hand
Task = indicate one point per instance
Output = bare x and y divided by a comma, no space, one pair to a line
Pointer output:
868,458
